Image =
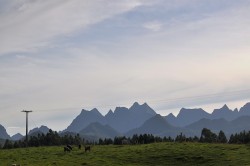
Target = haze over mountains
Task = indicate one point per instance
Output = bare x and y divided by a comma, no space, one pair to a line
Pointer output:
140,119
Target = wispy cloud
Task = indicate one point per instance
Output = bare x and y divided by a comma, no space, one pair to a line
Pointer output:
14,127
28,25
153,26
70,54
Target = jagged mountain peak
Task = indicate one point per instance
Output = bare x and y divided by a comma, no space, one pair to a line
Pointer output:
224,112
190,111
85,118
3,133
83,111
110,113
171,115
188,116
136,104
245,109
121,109
124,119
136,107
93,111
225,107
236,110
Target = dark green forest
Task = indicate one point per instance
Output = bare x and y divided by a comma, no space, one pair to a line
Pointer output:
52,138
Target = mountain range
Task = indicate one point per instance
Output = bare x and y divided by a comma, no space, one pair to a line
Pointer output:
122,119
188,116
140,119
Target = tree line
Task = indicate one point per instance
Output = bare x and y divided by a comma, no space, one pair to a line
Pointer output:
207,136
52,138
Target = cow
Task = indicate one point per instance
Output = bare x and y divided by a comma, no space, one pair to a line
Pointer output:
69,146
87,148
66,149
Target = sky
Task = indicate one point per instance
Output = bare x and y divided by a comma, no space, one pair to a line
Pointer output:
59,57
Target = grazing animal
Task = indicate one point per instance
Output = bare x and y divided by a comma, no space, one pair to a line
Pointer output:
87,148
69,146
79,146
66,149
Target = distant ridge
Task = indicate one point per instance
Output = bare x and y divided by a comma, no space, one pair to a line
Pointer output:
100,131
225,113
155,125
229,127
140,119
84,119
17,137
122,119
189,116
3,133
41,130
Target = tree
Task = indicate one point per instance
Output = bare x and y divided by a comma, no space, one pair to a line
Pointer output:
16,144
135,139
101,142
180,138
208,136
8,144
221,137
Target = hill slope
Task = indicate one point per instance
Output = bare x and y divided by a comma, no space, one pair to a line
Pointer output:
84,119
124,119
3,133
99,131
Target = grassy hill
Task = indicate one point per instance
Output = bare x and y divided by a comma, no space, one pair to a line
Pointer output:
150,154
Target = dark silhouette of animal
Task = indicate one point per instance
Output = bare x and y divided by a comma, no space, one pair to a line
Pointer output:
79,146
66,149
87,148
69,146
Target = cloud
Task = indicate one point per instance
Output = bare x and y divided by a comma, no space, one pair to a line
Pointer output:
68,55
14,127
153,26
29,25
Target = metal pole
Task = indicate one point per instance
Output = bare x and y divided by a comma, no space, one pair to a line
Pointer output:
26,126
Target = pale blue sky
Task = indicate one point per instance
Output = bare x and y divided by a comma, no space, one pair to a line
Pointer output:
57,57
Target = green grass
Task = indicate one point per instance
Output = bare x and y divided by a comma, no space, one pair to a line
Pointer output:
151,154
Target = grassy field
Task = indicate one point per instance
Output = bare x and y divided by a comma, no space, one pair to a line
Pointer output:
151,154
